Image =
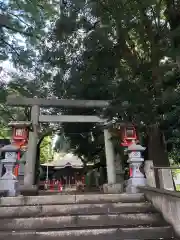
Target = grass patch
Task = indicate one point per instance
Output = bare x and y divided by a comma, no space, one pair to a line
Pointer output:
178,187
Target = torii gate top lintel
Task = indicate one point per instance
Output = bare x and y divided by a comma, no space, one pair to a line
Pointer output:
54,102
36,103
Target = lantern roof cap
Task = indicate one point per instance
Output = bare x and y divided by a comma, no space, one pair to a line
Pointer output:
9,148
135,147
20,124
117,124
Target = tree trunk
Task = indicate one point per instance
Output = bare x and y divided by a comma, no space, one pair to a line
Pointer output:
157,149
172,14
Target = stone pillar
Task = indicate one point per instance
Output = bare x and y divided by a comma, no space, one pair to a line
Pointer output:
29,174
164,175
119,169
135,161
8,181
21,169
1,166
166,179
112,186
149,173
110,158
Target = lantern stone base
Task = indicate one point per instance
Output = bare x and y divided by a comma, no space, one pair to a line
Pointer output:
3,193
133,183
113,188
10,186
29,190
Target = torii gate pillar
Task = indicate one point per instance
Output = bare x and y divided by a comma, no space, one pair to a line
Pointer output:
29,176
110,157
112,186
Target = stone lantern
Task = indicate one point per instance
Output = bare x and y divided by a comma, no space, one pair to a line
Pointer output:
8,181
136,175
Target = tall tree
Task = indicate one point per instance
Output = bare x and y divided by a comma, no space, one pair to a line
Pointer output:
124,51
112,50
23,30
22,26
46,151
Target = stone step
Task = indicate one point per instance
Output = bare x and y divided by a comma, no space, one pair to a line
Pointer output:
70,199
95,234
74,209
82,221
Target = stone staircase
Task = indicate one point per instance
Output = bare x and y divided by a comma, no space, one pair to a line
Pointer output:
75,217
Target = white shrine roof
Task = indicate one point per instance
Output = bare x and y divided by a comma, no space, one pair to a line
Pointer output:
68,160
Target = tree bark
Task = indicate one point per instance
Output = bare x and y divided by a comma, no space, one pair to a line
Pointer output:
172,14
157,149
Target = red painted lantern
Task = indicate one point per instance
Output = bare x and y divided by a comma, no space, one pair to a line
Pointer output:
130,172
20,135
129,135
20,132
16,169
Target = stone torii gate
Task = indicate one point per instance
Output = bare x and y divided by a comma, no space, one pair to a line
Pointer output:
37,118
